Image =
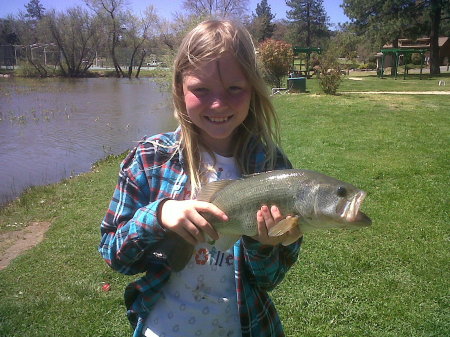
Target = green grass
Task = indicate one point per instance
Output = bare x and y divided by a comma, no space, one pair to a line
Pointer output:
368,81
144,72
387,280
390,279
55,289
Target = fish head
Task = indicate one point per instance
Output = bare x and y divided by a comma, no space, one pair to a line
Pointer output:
332,204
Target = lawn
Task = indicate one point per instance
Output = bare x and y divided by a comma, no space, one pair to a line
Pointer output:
391,279
368,81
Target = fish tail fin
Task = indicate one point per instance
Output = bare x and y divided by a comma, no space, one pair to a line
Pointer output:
284,226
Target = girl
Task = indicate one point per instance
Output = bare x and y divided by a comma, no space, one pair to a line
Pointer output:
227,128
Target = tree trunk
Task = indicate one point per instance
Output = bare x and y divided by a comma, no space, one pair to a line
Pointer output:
435,15
119,71
41,70
308,25
140,63
130,67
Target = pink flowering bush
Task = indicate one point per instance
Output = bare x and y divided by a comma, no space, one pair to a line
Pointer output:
276,59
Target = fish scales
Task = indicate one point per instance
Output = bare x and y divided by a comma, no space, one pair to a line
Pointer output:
242,198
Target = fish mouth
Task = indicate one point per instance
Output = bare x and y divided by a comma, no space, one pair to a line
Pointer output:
352,214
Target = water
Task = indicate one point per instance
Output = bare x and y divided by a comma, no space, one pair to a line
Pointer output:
56,128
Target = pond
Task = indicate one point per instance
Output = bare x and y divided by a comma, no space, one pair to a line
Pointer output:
52,129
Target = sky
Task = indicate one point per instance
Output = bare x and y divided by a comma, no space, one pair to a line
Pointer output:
165,8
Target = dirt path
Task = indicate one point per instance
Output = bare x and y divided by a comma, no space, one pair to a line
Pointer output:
399,92
12,244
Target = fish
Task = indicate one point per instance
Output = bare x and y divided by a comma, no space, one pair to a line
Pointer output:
312,200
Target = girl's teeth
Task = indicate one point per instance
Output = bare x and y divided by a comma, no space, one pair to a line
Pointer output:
218,119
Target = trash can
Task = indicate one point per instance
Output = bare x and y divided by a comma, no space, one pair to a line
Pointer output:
297,84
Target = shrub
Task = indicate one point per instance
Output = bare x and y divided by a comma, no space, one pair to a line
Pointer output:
417,59
330,75
26,69
276,58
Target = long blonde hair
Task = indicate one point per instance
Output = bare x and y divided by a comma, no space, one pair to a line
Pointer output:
207,42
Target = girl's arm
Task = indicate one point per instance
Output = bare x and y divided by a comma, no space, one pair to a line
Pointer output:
130,226
141,212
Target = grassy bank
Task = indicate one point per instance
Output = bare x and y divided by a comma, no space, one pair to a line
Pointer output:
368,81
387,280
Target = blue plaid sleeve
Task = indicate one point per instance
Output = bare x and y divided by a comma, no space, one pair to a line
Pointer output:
130,225
267,265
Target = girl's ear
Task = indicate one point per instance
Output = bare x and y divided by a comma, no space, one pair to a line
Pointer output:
180,92
179,84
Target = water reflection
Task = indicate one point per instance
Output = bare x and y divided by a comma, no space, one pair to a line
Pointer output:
54,128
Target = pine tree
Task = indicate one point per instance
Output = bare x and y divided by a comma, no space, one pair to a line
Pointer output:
263,21
35,10
310,21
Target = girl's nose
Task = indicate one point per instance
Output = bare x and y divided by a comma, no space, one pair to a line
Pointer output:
218,101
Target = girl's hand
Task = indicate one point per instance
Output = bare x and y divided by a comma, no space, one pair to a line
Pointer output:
266,219
184,218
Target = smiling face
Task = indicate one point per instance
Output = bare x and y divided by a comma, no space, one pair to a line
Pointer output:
217,98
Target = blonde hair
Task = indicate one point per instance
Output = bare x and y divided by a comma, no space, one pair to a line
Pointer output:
207,42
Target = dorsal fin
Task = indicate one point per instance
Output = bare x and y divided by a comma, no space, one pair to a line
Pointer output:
209,190
245,176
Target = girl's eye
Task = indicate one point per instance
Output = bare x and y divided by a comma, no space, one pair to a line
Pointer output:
235,89
200,91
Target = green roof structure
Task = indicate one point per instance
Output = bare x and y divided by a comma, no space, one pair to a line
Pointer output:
303,50
397,52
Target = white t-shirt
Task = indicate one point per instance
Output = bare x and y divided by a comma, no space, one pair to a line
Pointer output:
201,299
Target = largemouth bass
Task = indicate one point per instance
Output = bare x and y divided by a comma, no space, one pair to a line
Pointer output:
314,200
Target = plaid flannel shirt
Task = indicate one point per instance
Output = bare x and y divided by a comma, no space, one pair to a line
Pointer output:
152,172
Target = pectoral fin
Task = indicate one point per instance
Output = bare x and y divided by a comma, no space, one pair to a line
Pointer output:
294,235
284,226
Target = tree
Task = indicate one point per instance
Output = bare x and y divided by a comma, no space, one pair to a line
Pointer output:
33,36
276,57
281,31
35,10
310,21
77,36
345,43
111,11
8,34
262,26
216,8
435,18
137,33
387,21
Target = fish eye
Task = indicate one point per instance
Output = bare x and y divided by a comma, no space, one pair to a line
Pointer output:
341,191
